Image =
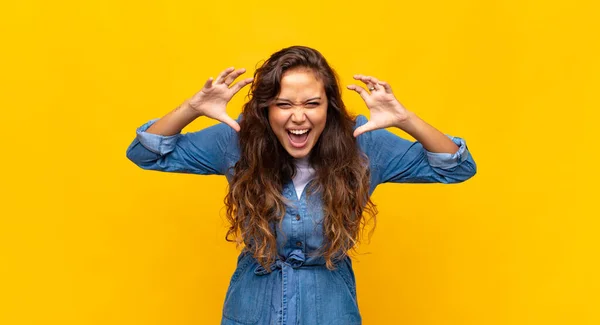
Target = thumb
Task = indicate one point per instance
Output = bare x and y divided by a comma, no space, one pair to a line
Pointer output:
229,121
369,126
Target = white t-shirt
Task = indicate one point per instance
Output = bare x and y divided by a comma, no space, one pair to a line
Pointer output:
304,173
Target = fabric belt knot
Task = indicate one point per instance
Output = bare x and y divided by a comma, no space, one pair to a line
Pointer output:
289,280
294,260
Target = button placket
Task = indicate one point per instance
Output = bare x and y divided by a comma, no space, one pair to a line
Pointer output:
293,214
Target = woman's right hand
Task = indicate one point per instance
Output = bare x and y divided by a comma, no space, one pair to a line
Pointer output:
212,99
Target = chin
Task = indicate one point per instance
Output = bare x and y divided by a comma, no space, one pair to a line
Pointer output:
298,153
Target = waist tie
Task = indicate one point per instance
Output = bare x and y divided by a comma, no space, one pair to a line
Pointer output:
288,288
294,261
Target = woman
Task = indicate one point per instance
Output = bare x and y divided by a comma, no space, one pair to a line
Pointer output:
301,171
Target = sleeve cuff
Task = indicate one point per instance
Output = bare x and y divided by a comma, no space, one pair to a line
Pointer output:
159,144
448,160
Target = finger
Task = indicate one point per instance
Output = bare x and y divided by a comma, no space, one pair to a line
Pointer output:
241,84
386,86
367,80
229,121
208,83
369,126
360,90
223,74
232,76
362,78
374,82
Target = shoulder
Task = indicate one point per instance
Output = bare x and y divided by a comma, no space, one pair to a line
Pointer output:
233,152
359,120
234,139
364,139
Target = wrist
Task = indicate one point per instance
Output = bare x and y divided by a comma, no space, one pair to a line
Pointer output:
408,121
189,111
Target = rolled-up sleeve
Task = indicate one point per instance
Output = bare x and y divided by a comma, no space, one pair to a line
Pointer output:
203,152
159,144
398,160
448,160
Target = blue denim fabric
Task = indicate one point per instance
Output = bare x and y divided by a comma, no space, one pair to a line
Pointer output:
297,288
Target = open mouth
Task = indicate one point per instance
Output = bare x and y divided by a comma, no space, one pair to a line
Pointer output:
298,137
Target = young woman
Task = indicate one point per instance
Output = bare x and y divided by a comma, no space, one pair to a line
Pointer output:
301,171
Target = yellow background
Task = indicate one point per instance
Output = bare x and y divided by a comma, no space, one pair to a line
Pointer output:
86,237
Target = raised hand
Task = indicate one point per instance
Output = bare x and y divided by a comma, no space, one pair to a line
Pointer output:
384,108
212,99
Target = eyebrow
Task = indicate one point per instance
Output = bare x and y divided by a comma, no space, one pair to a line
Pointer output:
287,100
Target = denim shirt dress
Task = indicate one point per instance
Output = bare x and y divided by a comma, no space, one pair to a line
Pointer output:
297,288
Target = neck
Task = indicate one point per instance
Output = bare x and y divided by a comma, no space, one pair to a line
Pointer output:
302,162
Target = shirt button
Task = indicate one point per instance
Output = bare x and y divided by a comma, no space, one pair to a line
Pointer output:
297,217
299,243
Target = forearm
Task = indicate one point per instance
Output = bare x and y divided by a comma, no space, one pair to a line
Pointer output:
174,121
431,138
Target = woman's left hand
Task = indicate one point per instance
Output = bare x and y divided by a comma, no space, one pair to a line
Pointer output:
385,109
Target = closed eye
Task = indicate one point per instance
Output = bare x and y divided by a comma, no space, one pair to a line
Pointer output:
288,105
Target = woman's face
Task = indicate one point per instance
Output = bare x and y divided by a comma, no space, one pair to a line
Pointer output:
298,114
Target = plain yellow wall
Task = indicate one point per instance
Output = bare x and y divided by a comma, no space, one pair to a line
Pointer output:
86,237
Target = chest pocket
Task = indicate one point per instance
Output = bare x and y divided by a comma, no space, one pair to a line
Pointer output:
245,300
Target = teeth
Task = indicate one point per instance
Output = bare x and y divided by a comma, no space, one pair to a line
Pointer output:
298,131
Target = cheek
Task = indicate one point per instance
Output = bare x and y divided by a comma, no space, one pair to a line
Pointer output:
318,117
277,119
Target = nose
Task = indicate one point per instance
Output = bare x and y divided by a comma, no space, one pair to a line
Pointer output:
298,115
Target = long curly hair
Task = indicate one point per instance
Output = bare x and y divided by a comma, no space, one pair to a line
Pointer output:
255,203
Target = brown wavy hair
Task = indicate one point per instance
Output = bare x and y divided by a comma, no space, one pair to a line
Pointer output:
255,203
